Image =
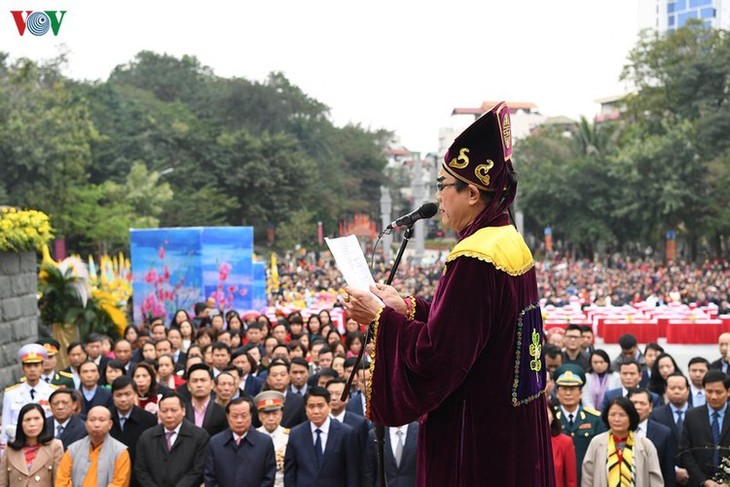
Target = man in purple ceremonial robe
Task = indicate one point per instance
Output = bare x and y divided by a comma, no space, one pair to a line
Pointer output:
468,365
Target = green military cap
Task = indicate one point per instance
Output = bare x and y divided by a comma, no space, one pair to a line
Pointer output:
569,375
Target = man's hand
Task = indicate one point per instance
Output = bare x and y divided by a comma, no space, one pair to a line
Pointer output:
390,297
361,306
682,476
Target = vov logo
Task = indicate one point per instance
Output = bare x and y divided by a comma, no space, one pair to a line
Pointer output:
38,23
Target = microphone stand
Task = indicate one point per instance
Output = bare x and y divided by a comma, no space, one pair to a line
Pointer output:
379,428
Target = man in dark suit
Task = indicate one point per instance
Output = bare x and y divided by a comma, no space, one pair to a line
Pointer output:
658,434
171,454
399,473
123,353
673,413
65,426
359,425
630,373
722,364
321,451
278,379
240,456
95,352
202,410
356,404
93,394
130,421
706,431
651,352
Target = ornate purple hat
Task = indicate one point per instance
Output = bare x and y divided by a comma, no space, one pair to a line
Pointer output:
481,155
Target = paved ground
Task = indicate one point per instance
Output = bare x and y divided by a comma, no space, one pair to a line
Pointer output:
681,353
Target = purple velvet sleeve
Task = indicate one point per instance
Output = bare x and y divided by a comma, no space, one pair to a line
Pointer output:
418,364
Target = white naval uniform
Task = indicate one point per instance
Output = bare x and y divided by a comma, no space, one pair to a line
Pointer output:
280,437
17,396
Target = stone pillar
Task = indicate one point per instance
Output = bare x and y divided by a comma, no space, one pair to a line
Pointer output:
18,311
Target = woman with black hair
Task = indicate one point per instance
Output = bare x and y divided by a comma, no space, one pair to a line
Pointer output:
32,458
663,367
599,379
618,457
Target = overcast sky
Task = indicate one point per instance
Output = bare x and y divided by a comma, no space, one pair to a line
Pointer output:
398,65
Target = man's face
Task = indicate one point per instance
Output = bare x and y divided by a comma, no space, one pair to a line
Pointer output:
553,363
171,413
271,419
322,380
226,387
628,353
363,376
299,375
336,405
280,333
221,357
200,384
716,395
315,352
630,376
49,364
163,348
242,362
76,356
98,423
89,374
239,418
93,349
253,335
677,390
157,332
325,360
642,404
650,356
586,338
176,339
278,378
572,340
723,342
317,410
32,372
124,399
62,407
123,351
697,373
280,352
568,396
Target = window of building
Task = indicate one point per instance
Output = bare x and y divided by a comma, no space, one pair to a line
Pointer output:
683,18
707,13
699,3
670,7
671,20
680,5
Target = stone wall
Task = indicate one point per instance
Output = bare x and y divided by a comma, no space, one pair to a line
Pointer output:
18,311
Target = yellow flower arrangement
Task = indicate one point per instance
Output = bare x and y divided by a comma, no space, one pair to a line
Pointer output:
23,230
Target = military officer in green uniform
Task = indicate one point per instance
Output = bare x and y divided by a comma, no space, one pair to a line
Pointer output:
49,374
580,423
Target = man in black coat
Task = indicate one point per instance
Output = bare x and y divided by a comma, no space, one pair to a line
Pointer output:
240,456
278,379
201,409
706,431
130,421
93,394
64,425
171,454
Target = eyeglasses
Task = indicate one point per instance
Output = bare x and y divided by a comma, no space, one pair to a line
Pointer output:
440,186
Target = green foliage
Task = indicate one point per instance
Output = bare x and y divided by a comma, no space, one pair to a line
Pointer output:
166,142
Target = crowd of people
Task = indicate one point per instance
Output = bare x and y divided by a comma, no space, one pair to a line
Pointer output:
217,399
639,418
223,399
612,282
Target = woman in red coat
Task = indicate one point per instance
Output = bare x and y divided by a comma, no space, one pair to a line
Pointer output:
564,459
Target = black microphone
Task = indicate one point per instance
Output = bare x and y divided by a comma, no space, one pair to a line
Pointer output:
426,210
